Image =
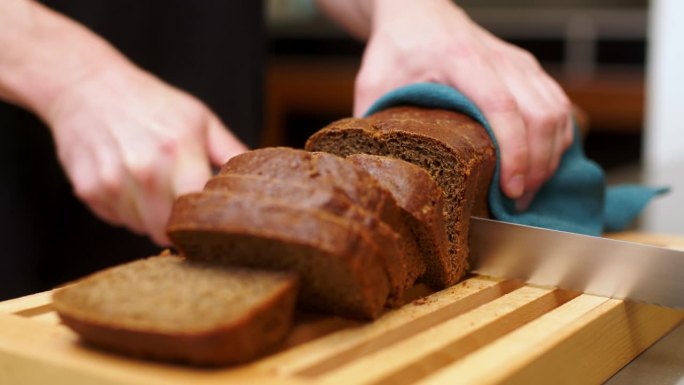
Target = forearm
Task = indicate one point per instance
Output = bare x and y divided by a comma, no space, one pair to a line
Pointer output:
44,53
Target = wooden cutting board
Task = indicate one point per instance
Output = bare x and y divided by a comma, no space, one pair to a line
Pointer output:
481,331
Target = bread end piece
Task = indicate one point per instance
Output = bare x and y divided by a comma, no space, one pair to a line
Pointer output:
112,310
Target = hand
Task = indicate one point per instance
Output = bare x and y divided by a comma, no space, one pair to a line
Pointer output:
433,40
130,144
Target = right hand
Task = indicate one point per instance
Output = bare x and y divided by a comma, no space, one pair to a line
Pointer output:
130,144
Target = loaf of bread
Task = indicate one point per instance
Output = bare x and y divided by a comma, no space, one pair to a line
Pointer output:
454,149
422,201
339,268
172,309
350,234
325,169
324,196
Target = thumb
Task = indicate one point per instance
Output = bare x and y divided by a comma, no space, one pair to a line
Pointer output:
222,144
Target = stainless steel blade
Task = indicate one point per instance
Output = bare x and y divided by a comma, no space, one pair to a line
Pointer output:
593,265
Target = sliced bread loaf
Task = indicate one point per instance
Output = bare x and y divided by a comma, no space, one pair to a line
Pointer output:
330,199
339,268
324,169
452,147
169,308
422,201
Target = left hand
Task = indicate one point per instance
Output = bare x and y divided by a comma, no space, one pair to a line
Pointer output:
435,41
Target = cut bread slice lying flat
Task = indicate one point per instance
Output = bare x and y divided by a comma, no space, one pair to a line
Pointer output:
172,309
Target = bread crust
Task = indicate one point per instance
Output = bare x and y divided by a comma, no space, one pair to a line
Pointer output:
421,198
322,170
263,233
254,334
429,138
326,197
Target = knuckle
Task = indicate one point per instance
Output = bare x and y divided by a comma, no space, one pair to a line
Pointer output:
517,157
462,49
143,172
170,145
111,182
529,59
544,123
500,101
93,190
86,191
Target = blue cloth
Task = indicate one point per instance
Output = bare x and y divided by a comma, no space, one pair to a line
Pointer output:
575,199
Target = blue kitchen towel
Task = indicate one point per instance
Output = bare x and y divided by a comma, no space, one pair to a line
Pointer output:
575,199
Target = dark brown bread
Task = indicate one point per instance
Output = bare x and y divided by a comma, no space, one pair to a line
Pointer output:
338,267
327,198
417,193
171,309
324,169
452,147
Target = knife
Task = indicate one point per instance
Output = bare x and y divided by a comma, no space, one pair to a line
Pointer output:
594,265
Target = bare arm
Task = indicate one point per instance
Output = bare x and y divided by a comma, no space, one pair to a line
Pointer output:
434,40
44,53
128,142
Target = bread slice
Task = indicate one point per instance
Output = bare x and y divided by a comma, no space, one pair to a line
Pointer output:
324,169
422,202
453,148
327,198
338,267
169,308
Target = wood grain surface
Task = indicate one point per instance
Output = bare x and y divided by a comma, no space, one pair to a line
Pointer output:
482,330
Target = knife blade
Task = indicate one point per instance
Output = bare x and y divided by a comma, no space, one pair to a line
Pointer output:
594,265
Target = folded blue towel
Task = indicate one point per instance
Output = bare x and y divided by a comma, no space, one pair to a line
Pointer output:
575,199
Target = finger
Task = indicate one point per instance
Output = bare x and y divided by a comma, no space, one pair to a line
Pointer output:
539,112
564,138
222,144
501,111
565,130
566,120
559,109
368,88
191,170
98,181
372,80
84,179
153,199
569,132
115,188
105,213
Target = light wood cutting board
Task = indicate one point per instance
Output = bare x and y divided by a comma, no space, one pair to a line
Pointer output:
481,331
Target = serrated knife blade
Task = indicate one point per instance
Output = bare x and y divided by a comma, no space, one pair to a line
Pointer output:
594,265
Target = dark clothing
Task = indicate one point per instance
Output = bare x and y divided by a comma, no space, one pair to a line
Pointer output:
212,49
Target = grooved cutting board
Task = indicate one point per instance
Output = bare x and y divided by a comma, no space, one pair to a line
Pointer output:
481,331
